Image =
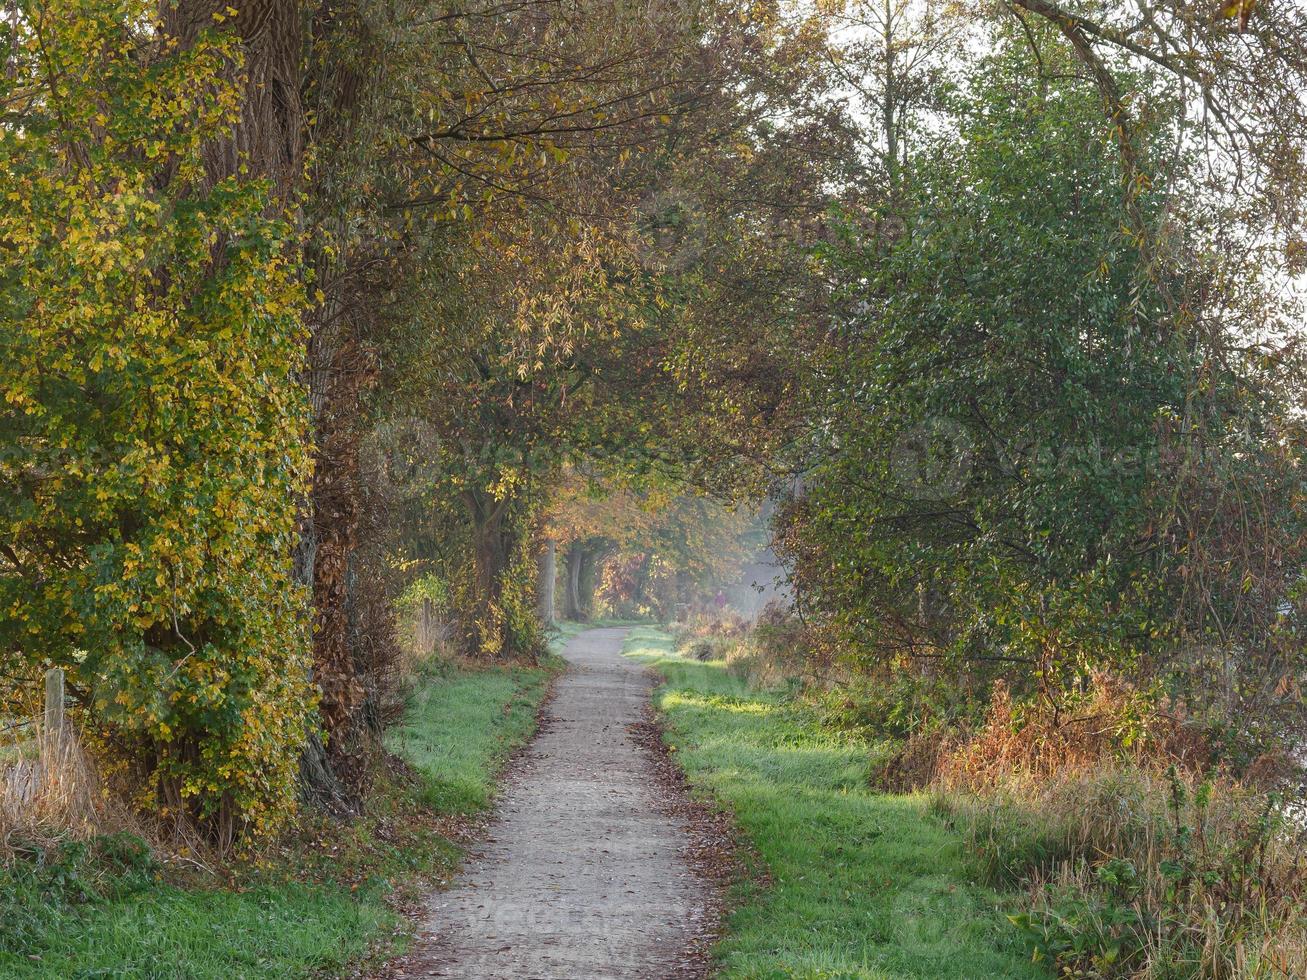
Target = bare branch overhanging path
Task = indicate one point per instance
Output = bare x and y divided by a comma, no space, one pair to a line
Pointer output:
583,874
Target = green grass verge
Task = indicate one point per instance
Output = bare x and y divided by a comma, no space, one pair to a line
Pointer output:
167,932
321,907
460,727
863,884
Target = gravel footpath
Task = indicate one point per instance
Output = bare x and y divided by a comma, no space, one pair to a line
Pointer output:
585,871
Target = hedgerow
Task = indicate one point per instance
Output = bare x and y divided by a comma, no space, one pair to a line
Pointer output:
152,427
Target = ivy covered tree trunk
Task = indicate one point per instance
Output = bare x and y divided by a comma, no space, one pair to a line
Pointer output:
267,142
271,140
499,612
336,514
353,263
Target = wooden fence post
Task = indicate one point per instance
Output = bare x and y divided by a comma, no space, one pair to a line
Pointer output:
54,703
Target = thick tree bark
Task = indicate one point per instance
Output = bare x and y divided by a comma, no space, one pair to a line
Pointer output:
270,136
572,590
547,577
269,140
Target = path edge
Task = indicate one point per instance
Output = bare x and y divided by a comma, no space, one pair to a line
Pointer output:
465,832
716,850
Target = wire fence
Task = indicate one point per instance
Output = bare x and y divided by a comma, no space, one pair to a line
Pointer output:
12,727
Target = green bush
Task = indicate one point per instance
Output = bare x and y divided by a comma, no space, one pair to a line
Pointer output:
153,451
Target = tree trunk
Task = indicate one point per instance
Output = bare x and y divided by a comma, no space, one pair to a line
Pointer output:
336,514
319,786
492,553
490,628
270,140
572,591
578,598
548,576
585,583
638,594
352,639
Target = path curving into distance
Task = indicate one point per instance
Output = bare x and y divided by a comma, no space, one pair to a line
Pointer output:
583,873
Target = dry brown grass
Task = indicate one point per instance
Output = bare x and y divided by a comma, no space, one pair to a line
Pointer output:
49,789
1132,874
1111,722
1139,860
51,793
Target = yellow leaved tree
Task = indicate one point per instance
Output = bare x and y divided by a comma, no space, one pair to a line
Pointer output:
152,428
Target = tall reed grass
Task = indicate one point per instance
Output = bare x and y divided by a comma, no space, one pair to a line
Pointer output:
1140,858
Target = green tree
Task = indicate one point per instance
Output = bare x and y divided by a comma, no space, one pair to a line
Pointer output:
1004,412
152,433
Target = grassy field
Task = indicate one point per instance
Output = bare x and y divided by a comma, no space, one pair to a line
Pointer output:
106,910
864,885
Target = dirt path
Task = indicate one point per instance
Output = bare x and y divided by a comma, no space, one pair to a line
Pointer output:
583,873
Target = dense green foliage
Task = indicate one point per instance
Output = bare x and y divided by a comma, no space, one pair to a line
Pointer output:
1010,375
152,433
1016,417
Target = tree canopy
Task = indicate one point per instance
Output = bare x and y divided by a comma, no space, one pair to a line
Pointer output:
306,306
